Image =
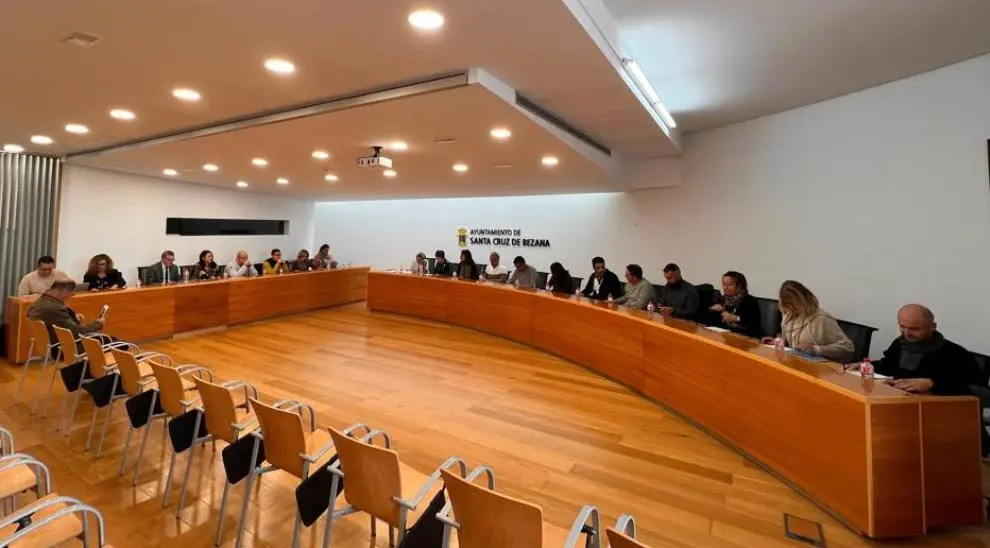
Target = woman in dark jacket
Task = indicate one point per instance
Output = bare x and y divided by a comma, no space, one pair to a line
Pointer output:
466,269
100,274
736,310
206,269
560,280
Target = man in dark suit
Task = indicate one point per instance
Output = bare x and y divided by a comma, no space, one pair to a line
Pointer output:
164,272
602,283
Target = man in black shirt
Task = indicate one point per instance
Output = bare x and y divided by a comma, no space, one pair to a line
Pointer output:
602,283
442,267
678,298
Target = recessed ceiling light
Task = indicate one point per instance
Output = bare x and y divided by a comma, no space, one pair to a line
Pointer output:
186,94
122,114
500,133
445,141
549,161
41,140
260,162
210,167
282,181
398,146
321,154
460,167
389,173
13,148
170,172
280,66
331,178
426,19
502,166
76,128
241,184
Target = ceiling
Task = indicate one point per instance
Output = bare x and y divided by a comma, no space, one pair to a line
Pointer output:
465,114
716,62
217,47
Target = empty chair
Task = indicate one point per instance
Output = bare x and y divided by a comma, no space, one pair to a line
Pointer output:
137,377
42,350
20,473
71,357
577,282
102,364
177,395
861,337
706,298
485,518
623,535
53,521
289,446
226,419
541,279
770,316
378,484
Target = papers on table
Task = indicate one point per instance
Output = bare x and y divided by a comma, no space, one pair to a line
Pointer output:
716,329
875,375
803,355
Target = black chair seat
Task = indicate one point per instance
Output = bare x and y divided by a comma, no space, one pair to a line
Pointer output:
861,337
770,316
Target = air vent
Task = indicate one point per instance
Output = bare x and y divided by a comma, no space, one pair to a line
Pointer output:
82,39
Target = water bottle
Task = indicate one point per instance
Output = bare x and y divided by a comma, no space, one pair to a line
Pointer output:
610,299
577,293
185,275
137,284
866,369
778,342
650,308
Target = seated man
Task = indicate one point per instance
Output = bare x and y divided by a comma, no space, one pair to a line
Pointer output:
496,272
524,275
602,283
275,264
922,360
441,267
50,308
240,267
639,291
164,271
680,298
40,280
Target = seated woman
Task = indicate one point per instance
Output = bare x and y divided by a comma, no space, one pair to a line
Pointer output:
420,266
318,264
560,280
205,268
102,275
466,269
302,262
808,328
736,309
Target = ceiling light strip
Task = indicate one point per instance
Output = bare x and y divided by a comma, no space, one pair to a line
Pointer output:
324,106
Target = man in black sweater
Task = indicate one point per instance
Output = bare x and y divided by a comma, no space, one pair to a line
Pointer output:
603,283
922,360
678,298
441,267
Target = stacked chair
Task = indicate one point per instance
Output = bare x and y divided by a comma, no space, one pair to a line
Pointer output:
50,519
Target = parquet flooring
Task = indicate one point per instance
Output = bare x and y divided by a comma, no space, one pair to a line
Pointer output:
556,435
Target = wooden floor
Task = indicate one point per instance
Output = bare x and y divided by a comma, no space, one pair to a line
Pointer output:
555,434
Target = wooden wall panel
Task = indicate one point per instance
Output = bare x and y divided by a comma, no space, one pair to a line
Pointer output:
489,308
337,287
895,438
423,297
951,445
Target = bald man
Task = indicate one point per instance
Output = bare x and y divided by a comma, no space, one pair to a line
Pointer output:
922,360
240,267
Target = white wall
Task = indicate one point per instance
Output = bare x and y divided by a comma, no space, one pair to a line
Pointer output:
124,216
873,199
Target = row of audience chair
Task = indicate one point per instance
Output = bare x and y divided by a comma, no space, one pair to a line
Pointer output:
264,437
50,519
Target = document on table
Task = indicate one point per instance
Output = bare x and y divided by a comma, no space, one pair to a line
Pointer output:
716,329
803,355
875,375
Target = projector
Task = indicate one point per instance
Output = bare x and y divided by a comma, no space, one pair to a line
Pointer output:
376,159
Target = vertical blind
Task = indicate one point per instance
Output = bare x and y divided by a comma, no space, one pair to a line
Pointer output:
29,191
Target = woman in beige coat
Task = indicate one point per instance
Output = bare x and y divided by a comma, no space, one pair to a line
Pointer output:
810,329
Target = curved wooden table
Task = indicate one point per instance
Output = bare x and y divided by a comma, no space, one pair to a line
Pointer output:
886,463
156,312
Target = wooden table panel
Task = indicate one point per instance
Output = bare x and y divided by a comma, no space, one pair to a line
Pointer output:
854,446
489,308
201,306
953,491
156,312
591,335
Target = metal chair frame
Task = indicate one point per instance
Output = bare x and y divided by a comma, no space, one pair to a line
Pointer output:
73,506
46,359
41,472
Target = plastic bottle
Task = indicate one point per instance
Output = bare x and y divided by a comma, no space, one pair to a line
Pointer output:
185,275
778,342
866,368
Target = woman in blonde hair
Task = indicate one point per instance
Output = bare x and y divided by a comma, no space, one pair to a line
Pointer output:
100,274
810,329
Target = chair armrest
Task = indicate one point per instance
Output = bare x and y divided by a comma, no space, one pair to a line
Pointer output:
145,356
579,526
72,506
315,457
430,481
188,404
370,436
190,368
117,345
233,385
241,426
294,405
349,431
626,525
19,459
